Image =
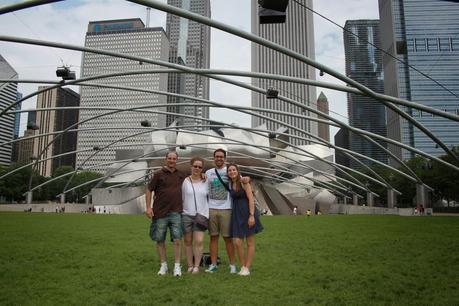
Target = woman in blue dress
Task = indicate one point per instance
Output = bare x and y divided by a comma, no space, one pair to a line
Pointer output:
245,219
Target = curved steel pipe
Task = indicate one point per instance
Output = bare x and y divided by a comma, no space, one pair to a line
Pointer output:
227,80
269,44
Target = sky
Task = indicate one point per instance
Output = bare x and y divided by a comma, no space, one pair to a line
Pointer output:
67,21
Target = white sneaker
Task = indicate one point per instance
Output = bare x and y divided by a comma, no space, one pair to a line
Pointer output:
190,269
212,269
233,269
177,270
195,270
162,270
244,271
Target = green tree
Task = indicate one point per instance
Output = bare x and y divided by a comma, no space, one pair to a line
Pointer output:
56,187
443,179
81,178
13,187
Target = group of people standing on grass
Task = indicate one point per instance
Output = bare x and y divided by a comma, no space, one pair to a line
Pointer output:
221,195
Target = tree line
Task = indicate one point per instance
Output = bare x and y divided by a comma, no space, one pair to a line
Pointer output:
442,179
13,187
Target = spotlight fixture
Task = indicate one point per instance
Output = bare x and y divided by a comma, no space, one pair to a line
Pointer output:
145,123
32,126
271,93
65,73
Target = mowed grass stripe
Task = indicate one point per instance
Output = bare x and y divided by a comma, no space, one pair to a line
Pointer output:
75,259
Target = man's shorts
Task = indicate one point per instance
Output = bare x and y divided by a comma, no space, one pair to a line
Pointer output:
189,226
158,227
220,222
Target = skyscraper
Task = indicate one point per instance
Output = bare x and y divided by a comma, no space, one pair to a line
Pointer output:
342,141
53,121
323,128
17,116
128,36
189,46
297,33
24,147
17,122
8,92
424,34
364,65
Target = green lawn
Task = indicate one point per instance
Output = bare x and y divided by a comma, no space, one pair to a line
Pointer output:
72,259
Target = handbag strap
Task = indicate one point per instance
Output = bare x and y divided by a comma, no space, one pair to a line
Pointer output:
221,181
194,195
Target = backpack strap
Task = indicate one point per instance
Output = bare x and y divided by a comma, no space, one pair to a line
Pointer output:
221,181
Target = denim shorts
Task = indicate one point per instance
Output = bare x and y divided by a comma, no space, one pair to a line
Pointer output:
158,227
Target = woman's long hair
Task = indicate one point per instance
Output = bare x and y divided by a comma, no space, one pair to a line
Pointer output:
238,178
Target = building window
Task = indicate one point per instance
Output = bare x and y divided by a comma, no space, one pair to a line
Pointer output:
445,44
420,44
432,44
401,47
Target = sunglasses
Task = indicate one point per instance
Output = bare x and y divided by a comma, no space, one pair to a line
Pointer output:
197,167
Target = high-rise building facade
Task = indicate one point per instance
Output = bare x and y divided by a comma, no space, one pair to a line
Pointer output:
8,92
17,116
128,36
17,123
53,121
24,147
189,46
342,141
364,65
297,34
425,35
323,128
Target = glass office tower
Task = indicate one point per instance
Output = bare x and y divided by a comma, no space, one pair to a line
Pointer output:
364,65
424,34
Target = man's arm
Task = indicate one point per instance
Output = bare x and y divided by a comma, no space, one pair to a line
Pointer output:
245,179
148,210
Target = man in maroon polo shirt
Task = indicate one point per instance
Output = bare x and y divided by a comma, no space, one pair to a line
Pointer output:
166,211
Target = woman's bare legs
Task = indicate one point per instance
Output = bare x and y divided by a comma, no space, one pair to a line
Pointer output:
239,251
188,239
250,250
198,238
